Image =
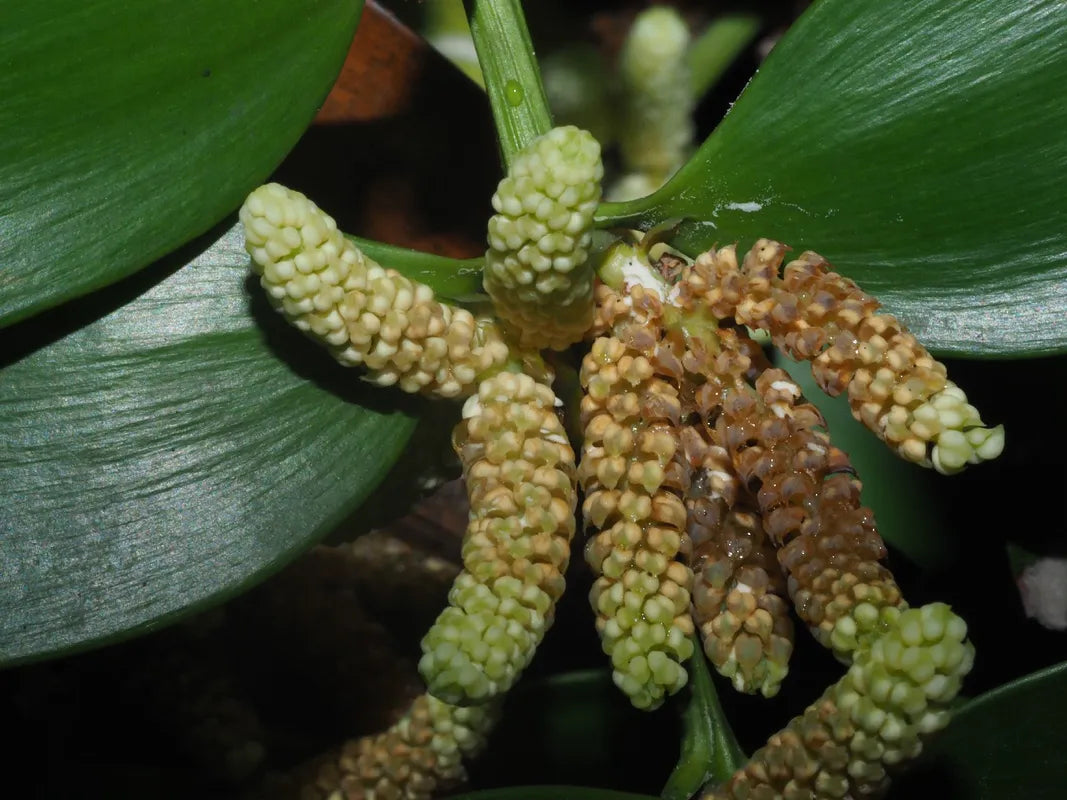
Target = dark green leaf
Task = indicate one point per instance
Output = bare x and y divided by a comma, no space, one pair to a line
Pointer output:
577,728
709,750
170,453
920,147
129,128
1004,745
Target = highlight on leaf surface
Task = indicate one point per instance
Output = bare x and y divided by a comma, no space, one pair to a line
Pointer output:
365,314
536,267
520,476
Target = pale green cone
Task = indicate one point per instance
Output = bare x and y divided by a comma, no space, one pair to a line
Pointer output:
657,126
520,476
536,267
365,314
874,719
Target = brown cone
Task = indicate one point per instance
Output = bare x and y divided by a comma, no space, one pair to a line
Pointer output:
895,387
810,501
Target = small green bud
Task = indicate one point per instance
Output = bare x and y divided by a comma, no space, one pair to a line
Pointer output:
657,127
536,267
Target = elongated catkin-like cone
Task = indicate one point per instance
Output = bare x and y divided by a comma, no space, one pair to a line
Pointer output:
875,718
810,501
536,267
419,756
739,591
520,476
365,314
657,103
895,387
739,603
633,474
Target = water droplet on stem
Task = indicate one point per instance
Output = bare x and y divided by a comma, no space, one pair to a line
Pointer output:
514,93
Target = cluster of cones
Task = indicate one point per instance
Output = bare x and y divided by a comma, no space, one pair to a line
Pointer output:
713,494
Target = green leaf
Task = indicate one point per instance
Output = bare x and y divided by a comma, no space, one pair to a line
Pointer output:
170,453
576,716
576,727
920,148
903,496
1003,745
709,750
130,128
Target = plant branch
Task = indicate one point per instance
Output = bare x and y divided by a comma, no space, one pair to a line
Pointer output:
709,750
512,77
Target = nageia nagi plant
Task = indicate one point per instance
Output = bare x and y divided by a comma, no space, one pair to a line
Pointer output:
713,493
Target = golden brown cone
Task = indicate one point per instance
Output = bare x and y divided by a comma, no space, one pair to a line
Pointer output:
895,387
420,755
809,498
634,475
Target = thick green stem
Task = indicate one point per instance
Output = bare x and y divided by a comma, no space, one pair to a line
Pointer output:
709,750
512,77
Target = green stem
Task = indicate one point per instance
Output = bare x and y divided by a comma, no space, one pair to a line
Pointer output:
458,280
512,77
717,47
710,751
639,214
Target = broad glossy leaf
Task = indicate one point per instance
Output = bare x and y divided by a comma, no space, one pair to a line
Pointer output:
127,129
920,147
170,453
1004,745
